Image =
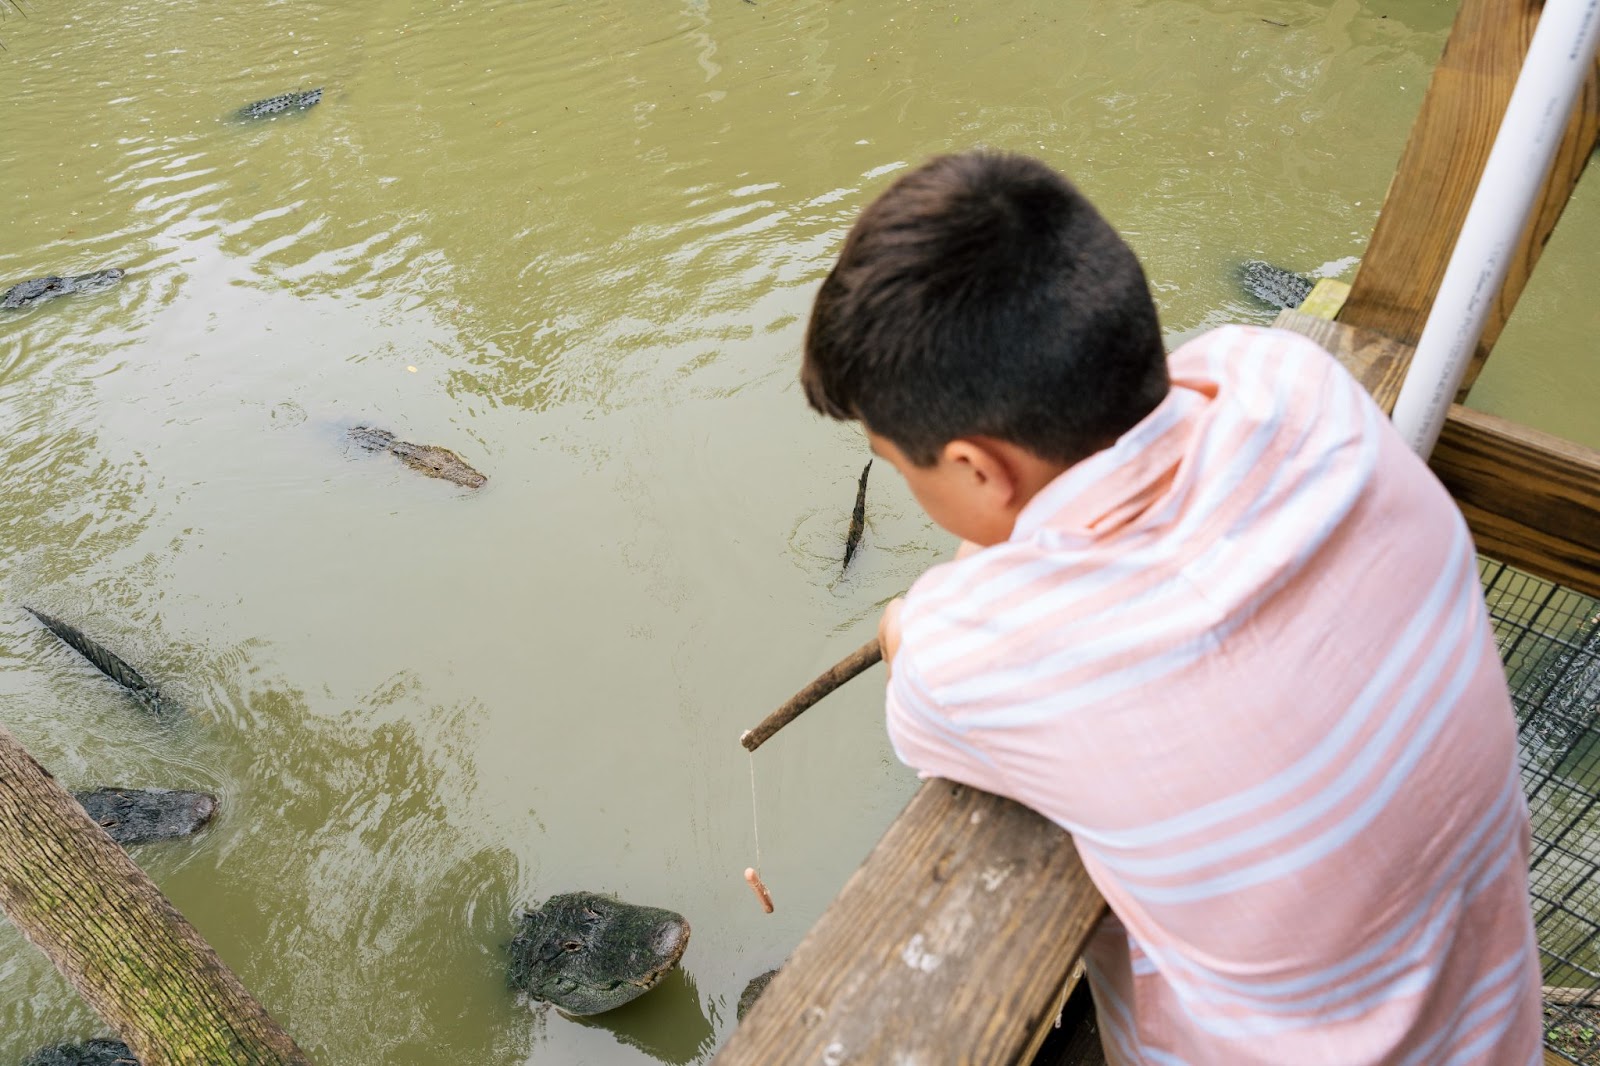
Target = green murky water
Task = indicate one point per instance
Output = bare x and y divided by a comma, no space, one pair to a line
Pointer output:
576,243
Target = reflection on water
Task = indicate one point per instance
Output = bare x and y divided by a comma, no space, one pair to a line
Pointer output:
576,244
669,1024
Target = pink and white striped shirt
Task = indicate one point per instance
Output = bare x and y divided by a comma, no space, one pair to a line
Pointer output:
1243,657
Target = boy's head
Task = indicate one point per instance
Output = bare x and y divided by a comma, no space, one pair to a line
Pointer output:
981,299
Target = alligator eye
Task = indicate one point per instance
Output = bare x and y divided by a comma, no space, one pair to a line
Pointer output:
572,945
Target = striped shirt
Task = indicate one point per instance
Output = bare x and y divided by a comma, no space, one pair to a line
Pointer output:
1243,657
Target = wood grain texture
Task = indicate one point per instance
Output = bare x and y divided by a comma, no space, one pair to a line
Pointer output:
1532,500
1444,157
1378,362
78,897
951,943
1326,300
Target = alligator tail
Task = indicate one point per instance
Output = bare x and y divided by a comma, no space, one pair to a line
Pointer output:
103,659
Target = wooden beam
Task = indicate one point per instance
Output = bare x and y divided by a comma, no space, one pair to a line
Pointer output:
1532,500
1399,276
953,942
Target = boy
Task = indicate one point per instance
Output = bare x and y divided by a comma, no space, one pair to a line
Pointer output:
1211,616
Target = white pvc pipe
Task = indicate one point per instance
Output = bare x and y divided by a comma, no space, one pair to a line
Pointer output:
1558,61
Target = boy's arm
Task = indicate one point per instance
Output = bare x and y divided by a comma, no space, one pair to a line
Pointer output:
889,622
889,632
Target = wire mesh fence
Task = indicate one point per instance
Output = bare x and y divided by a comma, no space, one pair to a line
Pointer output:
1549,639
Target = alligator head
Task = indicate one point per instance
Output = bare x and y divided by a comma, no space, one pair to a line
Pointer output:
38,290
588,953
140,815
94,1053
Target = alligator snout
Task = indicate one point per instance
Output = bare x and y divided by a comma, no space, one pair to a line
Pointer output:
670,939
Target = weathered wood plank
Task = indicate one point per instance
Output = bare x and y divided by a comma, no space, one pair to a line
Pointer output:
1531,499
1399,275
1326,299
1378,362
951,943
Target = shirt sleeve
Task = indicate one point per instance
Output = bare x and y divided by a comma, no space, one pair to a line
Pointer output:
926,739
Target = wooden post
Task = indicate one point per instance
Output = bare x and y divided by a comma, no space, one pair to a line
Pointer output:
79,898
1399,276
1531,499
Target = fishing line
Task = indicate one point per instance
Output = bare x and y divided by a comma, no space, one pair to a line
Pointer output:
755,819
751,874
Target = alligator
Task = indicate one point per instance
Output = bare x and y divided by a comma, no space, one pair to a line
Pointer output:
431,460
1273,285
94,1053
106,661
275,105
752,992
858,519
586,953
38,290
140,815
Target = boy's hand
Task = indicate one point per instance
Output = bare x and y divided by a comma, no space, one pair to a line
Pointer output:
889,631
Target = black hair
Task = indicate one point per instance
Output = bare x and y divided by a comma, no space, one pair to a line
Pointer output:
982,294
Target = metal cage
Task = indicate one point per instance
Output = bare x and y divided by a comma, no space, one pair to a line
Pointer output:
1549,639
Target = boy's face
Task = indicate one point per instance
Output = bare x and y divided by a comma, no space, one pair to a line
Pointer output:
968,492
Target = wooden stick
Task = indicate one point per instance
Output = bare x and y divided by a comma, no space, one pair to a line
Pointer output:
830,679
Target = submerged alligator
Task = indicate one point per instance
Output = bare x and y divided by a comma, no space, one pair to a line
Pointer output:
752,992
431,460
93,1053
106,661
1274,285
586,953
140,815
277,105
38,290
858,519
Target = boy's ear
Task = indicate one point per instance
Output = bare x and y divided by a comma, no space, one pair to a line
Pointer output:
983,467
